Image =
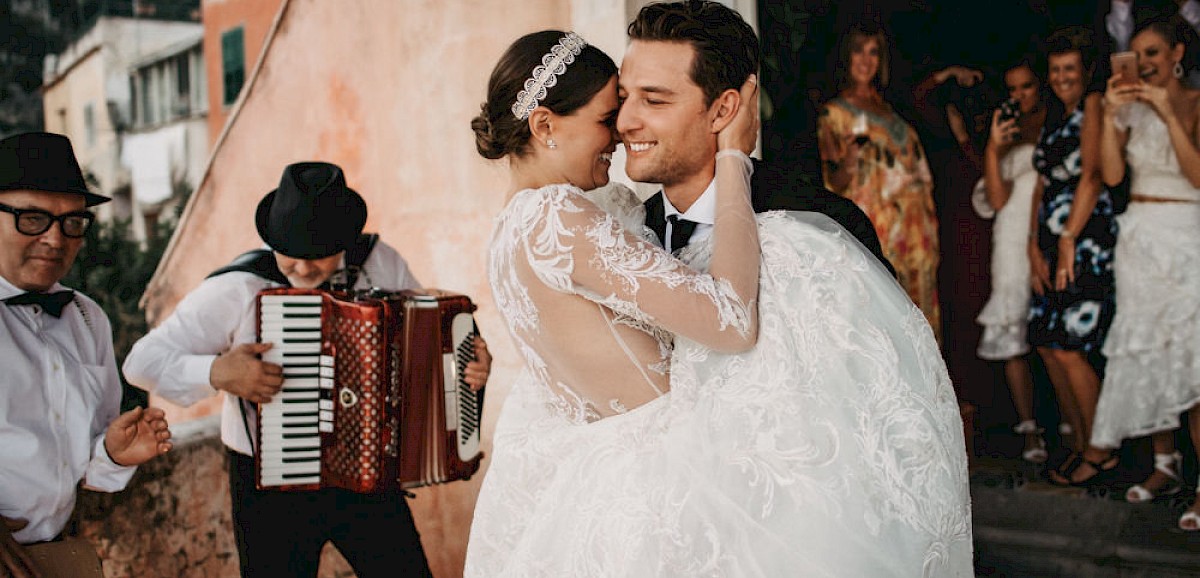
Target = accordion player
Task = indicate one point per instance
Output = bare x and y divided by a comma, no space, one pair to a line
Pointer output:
373,396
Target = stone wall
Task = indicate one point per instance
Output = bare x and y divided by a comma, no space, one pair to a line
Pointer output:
174,519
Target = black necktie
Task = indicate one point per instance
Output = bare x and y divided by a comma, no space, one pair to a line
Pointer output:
51,303
681,232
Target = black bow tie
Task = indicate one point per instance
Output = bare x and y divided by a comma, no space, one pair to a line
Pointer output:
681,231
51,303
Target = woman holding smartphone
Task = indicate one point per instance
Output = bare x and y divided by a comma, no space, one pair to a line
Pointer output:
1071,236
1151,126
1009,180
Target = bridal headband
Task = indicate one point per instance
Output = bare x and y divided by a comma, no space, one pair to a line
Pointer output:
545,75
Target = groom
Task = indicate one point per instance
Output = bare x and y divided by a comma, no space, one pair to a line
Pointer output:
681,57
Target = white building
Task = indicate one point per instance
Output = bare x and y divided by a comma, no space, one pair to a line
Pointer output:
166,146
87,95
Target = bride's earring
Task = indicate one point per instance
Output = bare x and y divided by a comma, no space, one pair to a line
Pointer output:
1178,69
551,144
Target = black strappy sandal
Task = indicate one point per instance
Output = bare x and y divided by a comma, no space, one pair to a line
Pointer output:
1102,474
1066,468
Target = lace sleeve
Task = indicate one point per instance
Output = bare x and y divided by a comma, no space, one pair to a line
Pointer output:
575,247
623,204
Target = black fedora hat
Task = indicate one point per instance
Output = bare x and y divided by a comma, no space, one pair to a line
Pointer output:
43,161
313,214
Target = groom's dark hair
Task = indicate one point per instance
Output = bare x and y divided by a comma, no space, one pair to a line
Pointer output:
726,48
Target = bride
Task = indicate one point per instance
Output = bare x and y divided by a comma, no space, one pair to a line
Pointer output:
668,422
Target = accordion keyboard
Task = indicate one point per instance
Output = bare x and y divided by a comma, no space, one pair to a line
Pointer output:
292,422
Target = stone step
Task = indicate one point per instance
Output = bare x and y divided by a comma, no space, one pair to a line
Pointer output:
1025,526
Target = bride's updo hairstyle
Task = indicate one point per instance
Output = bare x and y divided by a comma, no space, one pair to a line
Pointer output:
498,131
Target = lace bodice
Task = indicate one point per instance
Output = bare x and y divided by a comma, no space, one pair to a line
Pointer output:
592,307
1156,170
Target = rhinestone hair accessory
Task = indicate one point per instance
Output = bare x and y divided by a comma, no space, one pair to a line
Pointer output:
545,75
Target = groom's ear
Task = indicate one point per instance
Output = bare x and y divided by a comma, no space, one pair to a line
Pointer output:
723,110
541,124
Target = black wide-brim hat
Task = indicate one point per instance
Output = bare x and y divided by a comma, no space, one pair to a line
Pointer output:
43,161
312,214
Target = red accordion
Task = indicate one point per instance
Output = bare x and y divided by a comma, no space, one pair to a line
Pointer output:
373,397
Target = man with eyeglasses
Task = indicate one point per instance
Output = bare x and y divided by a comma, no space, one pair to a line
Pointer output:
60,394
312,226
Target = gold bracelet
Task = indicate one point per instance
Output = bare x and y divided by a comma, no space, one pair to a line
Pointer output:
1067,235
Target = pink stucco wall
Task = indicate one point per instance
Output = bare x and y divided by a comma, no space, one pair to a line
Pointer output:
385,89
219,16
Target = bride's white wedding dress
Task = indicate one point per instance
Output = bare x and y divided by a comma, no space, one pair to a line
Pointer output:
833,448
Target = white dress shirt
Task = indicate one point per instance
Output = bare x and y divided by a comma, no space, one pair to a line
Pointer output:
60,391
702,212
174,360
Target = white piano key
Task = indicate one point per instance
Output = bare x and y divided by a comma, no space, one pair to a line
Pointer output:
326,383
325,404
287,419
310,298
301,348
280,408
325,415
279,430
279,323
327,360
278,358
300,383
326,372
294,306
277,455
292,360
299,395
270,321
278,335
312,467
326,427
305,442
275,481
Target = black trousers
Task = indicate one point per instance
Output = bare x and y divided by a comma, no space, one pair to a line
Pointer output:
281,533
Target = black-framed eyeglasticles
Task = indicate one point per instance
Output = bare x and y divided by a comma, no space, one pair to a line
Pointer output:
34,222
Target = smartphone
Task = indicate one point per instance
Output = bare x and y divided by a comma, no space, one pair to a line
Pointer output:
1126,65
1010,109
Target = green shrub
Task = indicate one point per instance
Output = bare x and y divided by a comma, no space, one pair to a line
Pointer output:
114,270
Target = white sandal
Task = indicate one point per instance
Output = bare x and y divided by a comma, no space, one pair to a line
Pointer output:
1190,520
1035,455
1168,465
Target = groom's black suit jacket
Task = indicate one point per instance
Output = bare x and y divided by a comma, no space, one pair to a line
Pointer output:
781,186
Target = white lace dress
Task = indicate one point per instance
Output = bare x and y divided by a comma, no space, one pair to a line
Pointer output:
1005,317
1153,347
832,448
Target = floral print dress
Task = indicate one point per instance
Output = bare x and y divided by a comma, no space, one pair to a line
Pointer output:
1077,318
892,184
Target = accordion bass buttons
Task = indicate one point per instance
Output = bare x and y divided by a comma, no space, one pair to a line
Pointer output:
347,398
